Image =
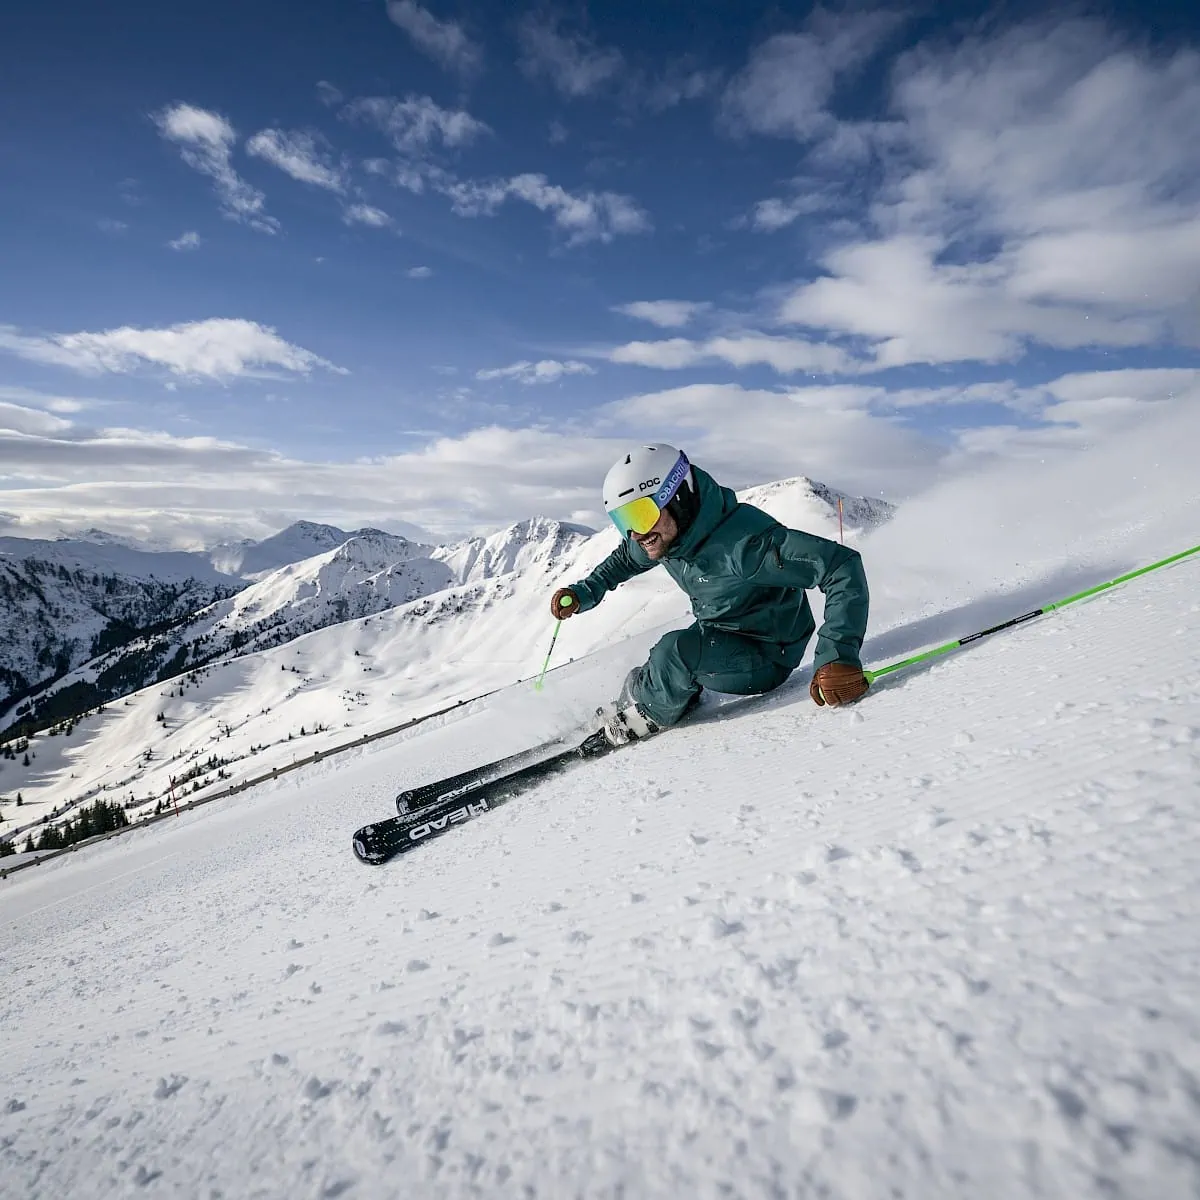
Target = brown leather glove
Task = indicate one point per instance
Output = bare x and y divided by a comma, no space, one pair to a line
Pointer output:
838,683
559,609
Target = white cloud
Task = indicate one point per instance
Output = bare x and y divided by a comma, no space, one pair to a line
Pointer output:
200,489
111,227
446,42
913,309
186,241
669,354
24,421
666,314
419,272
547,370
574,64
592,216
776,213
329,95
747,435
28,398
787,84
365,214
219,348
416,123
681,82
298,155
1034,192
206,142
783,355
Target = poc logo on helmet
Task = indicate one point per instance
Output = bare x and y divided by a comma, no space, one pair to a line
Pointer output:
646,485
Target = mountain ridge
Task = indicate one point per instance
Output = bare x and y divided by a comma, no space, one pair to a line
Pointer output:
361,575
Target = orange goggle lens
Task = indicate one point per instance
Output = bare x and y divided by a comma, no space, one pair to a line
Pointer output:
636,516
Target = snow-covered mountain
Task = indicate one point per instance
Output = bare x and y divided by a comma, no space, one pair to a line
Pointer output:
300,540
368,572
537,542
374,620
65,602
803,503
940,945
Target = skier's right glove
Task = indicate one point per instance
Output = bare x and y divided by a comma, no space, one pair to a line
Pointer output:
564,603
838,683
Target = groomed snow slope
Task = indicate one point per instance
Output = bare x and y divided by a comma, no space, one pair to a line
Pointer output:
942,944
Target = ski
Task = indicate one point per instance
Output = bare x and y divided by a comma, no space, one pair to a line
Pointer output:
412,800
382,840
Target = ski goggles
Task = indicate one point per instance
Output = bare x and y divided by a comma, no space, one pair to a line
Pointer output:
641,514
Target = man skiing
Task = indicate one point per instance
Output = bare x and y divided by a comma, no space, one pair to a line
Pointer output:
746,575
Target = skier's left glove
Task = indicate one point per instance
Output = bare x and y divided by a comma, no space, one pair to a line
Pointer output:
838,683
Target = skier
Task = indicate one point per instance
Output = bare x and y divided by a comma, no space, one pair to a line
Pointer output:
746,575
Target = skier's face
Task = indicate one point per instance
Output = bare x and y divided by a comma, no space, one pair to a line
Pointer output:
658,541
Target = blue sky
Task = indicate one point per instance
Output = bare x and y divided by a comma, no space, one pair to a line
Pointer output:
435,263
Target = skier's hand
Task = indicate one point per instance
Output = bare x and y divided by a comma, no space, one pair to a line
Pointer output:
838,683
564,603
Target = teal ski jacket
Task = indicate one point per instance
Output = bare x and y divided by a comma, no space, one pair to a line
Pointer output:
747,573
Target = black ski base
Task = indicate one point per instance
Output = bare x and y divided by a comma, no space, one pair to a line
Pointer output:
381,841
412,800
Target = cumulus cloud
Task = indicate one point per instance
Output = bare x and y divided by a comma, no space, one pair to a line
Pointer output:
219,349
666,314
299,155
548,370
750,435
419,272
186,241
446,42
776,213
590,216
913,309
328,94
577,66
416,123
206,140
783,355
202,489
573,63
1032,191
418,127
786,86
365,214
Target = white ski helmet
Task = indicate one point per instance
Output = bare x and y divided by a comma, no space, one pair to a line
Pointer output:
642,482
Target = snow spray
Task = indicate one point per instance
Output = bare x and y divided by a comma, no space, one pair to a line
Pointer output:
1037,612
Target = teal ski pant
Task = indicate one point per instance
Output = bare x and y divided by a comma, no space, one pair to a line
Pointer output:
687,661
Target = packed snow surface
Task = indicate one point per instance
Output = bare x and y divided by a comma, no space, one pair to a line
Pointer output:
940,944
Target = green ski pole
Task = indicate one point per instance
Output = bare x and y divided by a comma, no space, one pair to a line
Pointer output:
565,602
1037,612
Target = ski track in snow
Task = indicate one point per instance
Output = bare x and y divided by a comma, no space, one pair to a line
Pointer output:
942,944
